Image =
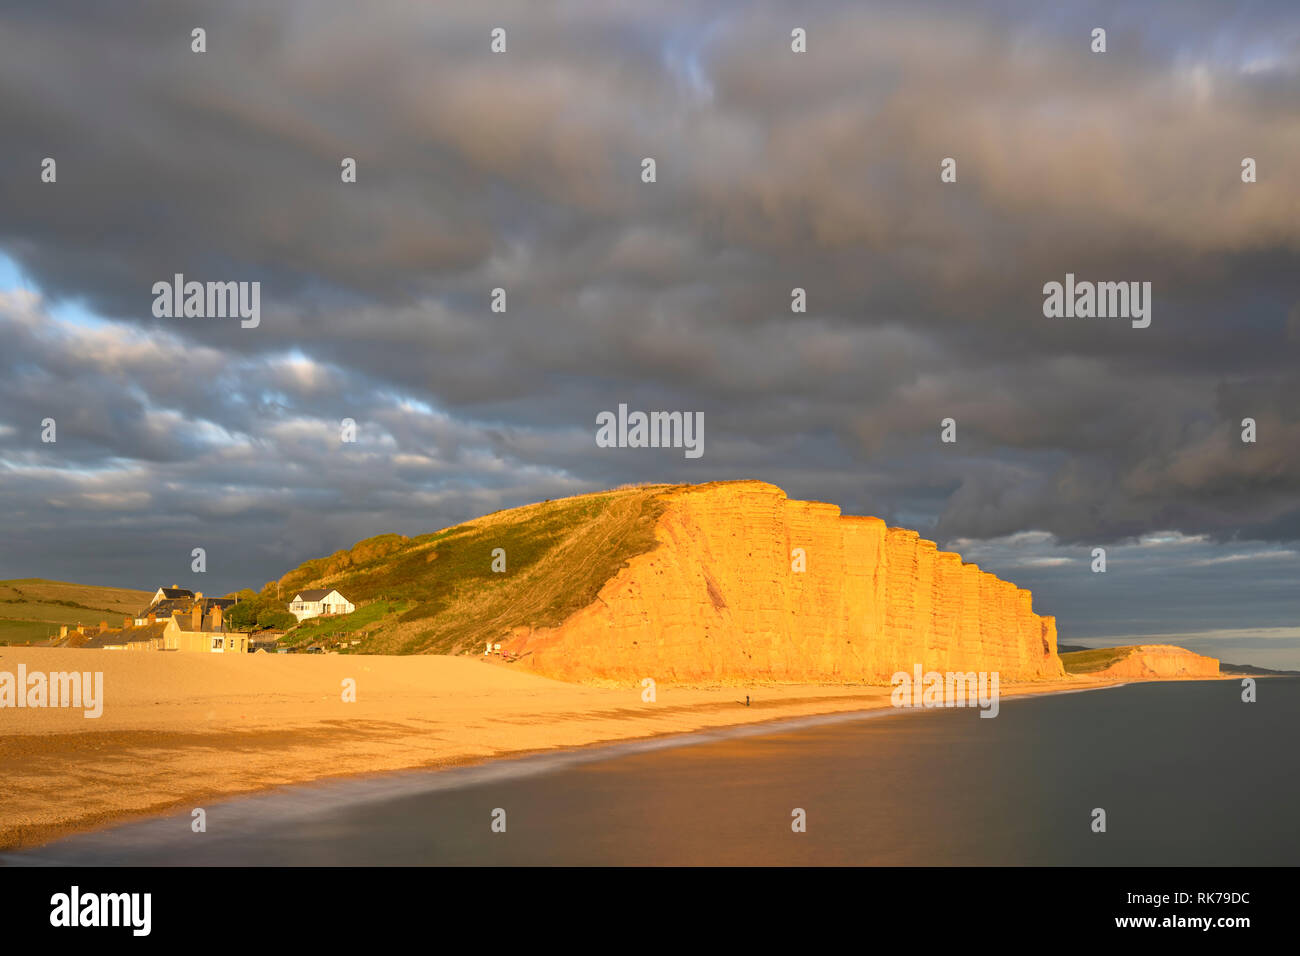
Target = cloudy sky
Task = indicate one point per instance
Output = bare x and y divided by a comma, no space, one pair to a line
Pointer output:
775,169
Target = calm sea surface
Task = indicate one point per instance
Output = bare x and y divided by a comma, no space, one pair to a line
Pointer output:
1186,772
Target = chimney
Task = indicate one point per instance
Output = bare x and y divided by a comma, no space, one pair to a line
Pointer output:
103,625
216,617
198,595
176,587
127,622
153,618
63,631
196,617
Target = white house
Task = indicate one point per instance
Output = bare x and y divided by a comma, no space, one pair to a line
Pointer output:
319,603
173,593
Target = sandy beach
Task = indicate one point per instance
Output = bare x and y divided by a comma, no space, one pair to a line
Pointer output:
181,729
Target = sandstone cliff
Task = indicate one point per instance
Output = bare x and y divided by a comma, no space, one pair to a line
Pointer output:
718,600
1141,661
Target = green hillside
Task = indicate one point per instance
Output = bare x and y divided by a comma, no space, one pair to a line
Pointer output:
440,593
1097,659
33,609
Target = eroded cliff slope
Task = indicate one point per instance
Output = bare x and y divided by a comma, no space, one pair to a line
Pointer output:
722,597
1141,661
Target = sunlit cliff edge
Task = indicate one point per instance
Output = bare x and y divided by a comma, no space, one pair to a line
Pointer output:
1141,661
722,597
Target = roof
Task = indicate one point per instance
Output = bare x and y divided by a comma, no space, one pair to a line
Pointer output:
165,609
172,593
318,594
185,622
135,635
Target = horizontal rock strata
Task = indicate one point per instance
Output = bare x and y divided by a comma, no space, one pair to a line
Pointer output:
719,600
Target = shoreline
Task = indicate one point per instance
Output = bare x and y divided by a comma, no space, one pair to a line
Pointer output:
298,801
193,730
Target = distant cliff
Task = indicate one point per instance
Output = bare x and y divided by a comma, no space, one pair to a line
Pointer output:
1140,661
721,597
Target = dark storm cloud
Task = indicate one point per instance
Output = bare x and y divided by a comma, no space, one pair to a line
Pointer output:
775,170
221,456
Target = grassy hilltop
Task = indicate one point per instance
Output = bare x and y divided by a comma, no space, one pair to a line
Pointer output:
33,609
1091,660
437,593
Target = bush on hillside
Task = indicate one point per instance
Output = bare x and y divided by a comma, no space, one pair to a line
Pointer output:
242,615
275,618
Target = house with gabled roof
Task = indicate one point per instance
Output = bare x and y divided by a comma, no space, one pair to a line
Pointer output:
202,633
173,593
173,600
319,602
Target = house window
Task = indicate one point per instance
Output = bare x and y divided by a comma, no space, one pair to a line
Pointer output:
216,643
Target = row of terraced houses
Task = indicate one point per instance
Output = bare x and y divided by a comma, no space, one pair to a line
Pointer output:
178,619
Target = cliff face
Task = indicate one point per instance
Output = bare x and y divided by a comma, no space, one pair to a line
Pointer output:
1161,660
718,599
